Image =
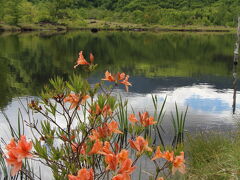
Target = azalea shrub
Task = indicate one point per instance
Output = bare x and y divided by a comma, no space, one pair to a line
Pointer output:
87,133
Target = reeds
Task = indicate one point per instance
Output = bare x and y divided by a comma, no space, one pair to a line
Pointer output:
159,114
178,122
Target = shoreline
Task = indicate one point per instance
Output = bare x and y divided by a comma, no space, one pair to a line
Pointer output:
114,27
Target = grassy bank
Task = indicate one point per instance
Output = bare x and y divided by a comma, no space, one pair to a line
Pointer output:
105,25
213,156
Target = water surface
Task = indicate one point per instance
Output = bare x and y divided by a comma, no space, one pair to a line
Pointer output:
191,69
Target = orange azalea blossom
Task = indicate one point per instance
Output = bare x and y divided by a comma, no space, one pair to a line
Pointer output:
11,145
97,134
146,120
14,161
83,174
132,118
112,161
140,144
100,132
74,100
108,77
113,127
126,168
23,148
123,155
81,149
106,130
168,156
116,147
105,111
97,146
178,164
158,154
121,177
118,78
91,57
17,152
106,149
81,60
126,83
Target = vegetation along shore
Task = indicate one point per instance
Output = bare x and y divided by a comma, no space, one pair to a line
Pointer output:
135,15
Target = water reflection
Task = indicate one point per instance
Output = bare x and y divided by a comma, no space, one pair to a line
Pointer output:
191,69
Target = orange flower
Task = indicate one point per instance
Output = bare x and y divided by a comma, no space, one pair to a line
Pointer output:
132,118
97,146
14,161
146,120
95,135
83,174
74,100
120,76
168,156
23,148
106,149
161,178
97,110
91,57
108,77
116,147
112,161
121,177
140,144
11,145
126,83
106,130
79,148
81,60
17,152
178,164
84,98
100,132
126,167
123,155
158,154
113,127
106,111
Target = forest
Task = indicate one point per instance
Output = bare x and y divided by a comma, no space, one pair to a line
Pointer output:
146,12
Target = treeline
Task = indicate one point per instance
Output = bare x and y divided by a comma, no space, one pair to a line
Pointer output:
161,12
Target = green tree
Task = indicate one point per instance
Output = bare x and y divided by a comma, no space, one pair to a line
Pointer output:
10,11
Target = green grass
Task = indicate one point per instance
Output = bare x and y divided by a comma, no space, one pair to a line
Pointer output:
213,156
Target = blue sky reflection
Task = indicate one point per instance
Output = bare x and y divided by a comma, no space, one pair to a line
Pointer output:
212,105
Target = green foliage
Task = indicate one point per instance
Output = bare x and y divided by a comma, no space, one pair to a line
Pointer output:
163,12
178,122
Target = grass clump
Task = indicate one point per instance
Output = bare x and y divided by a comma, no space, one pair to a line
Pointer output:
213,156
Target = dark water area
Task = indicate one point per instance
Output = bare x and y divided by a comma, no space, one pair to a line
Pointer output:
191,69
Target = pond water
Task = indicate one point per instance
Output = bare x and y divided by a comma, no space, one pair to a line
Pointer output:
191,69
